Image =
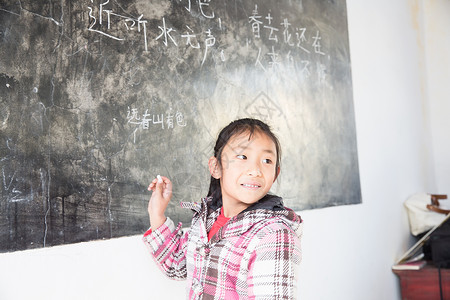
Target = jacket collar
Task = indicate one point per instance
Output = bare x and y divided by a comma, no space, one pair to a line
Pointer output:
269,206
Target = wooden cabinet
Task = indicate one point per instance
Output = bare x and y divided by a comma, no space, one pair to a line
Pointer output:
423,284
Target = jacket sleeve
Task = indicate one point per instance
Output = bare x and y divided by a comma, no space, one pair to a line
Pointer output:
167,245
273,268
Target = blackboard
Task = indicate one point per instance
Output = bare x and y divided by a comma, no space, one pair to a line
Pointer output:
98,97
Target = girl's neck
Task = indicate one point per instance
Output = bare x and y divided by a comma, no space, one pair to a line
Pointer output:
233,209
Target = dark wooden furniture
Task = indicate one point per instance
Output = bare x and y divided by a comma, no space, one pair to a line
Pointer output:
423,284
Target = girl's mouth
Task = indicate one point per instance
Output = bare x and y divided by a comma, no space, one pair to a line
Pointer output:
252,186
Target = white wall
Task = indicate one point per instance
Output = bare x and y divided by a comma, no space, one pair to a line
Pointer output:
113,269
437,40
348,250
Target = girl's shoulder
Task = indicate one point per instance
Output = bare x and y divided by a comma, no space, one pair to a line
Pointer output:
272,229
275,223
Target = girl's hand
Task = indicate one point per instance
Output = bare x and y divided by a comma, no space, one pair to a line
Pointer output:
161,189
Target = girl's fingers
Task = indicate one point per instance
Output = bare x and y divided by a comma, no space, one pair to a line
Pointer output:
168,184
152,185
165,179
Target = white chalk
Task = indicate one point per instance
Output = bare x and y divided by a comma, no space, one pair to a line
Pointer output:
159,178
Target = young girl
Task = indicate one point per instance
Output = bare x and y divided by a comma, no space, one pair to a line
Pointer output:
242,243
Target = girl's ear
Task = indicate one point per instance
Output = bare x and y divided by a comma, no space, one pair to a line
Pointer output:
214,167
277,173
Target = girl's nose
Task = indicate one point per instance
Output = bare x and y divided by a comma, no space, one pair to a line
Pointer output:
256,172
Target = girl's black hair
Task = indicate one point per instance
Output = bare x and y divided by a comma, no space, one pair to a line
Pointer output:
235,128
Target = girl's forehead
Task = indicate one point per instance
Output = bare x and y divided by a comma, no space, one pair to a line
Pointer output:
246,139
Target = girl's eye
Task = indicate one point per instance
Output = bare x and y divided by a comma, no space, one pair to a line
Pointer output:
267,161
242,156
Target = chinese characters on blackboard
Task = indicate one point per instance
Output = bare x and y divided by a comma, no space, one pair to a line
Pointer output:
143,119
106,22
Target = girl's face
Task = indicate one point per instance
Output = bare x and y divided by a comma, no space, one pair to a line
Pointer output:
248,170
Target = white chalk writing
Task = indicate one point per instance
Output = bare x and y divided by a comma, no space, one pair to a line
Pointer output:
115,23
103,20
209,42
301,39
201,4
165,32
256,23
147,119
265,29
316,44
279,35
190,36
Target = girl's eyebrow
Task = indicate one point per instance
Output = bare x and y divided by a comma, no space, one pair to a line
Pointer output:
269,151
238,149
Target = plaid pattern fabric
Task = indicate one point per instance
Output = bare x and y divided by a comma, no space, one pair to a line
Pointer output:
255,255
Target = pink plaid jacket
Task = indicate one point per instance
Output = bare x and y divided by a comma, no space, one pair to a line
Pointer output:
255,255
